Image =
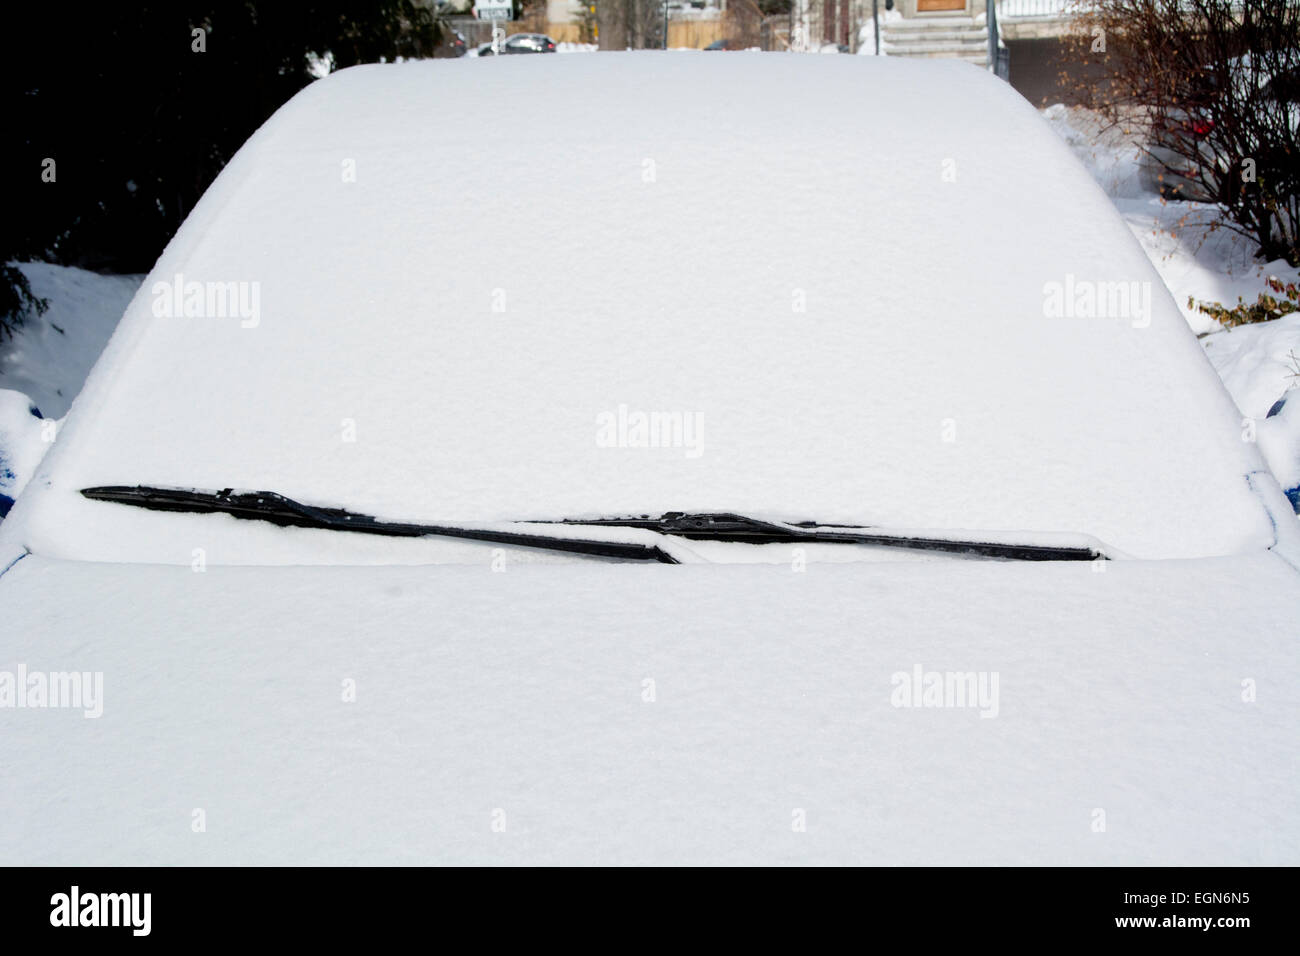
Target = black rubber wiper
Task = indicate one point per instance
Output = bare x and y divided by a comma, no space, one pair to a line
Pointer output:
732,527
279,510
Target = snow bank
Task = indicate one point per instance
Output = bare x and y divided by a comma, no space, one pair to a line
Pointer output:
1197,258
1260,365
1258,362
1279,440
50,356
867,32
24,439
43,366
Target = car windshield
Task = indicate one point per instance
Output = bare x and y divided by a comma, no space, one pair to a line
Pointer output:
688,311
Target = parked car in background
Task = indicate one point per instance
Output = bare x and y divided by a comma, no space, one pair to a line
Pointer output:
726,45
521,43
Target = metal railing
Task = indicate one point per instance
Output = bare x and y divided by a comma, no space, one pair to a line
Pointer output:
1008,9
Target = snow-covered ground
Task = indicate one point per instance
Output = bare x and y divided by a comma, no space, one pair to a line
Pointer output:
44,365
51,354
24,438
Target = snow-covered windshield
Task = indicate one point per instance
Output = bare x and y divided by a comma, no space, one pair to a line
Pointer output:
919,314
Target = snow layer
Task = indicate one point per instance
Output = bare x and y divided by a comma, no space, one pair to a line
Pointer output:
23,442
615,713
1279,441
591,712
1259,362
1186,242
1200,261
50,356
867,33
43,365
1195,255
854,307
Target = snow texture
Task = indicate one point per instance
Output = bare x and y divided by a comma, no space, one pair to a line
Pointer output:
857,348
521,699
584,711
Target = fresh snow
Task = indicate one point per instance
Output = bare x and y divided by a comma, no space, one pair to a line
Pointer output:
511,706
43,366
867,33
1193,257
51,354
1198,258
1279,441
853,348
49,359
1259,362
24,439
629,714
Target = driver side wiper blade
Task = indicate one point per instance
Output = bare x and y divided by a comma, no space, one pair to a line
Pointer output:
279,510
733,527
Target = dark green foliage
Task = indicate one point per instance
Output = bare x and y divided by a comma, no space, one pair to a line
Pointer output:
16,301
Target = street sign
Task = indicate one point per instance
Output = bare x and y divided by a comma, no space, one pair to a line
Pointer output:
494,9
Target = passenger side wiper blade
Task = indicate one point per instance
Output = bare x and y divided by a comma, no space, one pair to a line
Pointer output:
732,527
279,510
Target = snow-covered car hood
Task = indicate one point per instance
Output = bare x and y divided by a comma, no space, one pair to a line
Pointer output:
592,712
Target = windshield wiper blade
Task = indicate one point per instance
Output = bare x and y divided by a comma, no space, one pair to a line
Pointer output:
280,510
733,527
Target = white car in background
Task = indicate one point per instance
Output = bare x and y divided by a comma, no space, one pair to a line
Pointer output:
822,486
